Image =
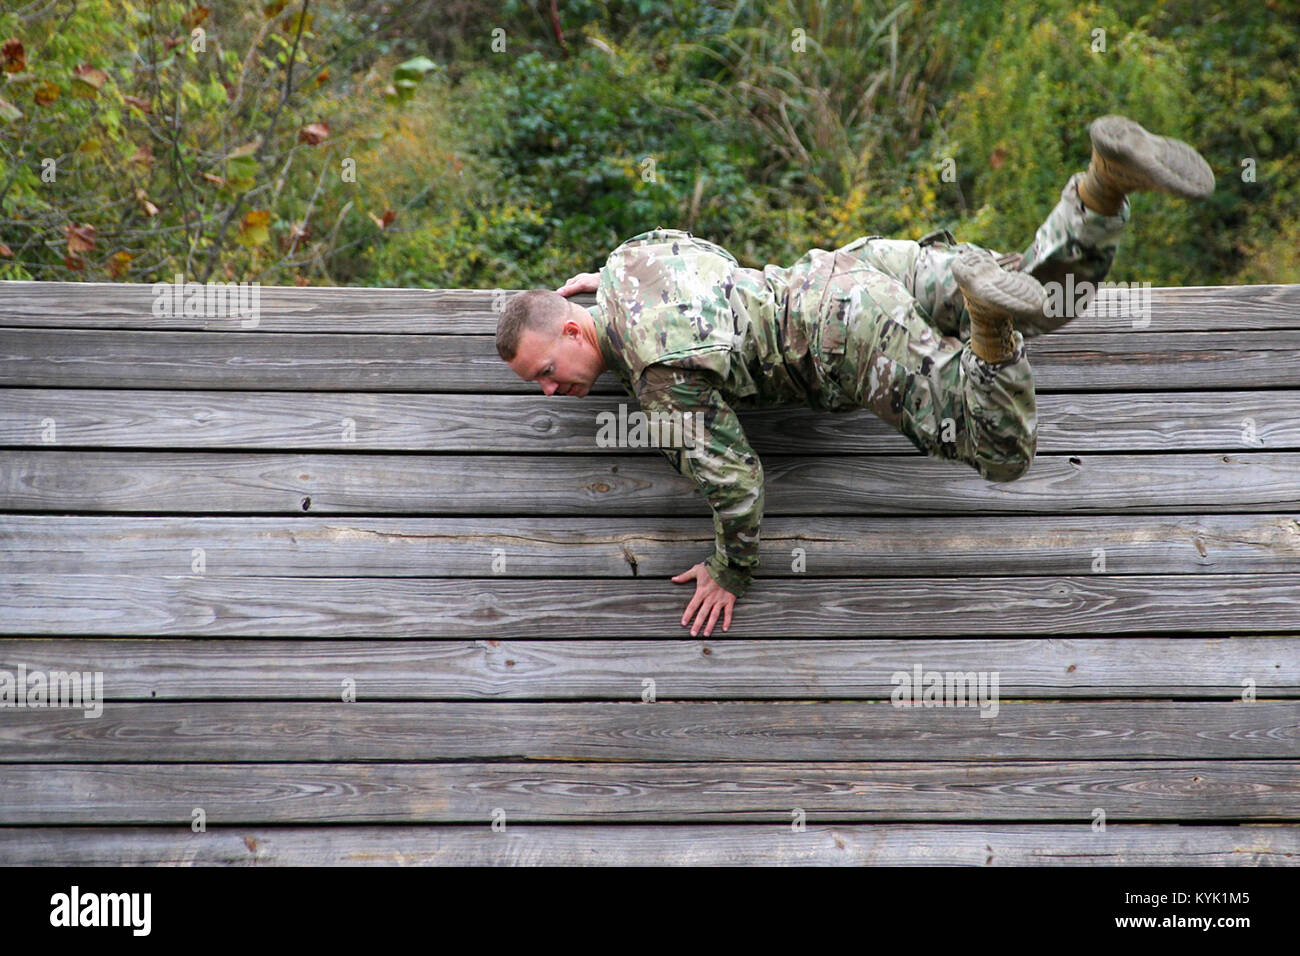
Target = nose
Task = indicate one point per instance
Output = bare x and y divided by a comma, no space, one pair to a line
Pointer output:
550,386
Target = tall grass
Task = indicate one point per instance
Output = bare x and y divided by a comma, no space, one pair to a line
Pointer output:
830,87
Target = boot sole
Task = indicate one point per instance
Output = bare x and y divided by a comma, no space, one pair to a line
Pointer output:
1164,163
981,279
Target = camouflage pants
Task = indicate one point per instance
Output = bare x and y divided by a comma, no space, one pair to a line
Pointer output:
934,388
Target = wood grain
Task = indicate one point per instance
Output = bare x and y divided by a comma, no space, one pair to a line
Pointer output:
1138,666
643,485
667,730
366,361
350,468
121,305
378,421
213,606
854,845
585,792
630,547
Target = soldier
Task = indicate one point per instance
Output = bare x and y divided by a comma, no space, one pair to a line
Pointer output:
929,335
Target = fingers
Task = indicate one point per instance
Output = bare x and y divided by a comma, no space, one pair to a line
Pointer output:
713,618
709,601
690,574
696,602
582,282
699,619
711,609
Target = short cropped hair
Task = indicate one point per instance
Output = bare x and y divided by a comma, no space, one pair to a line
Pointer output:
537,310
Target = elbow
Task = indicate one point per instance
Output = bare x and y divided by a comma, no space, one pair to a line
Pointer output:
1002,472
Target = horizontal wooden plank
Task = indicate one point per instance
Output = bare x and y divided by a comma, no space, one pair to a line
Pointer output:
121,305
377,421
66,358
127,305
905,844
689,669
244,360
552,792
883,546
640,484
217,606
983,727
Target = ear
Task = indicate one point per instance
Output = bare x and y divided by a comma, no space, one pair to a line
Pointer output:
571,317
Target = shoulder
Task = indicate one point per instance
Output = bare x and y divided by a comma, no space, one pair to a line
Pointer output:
665,295
678,240
669,251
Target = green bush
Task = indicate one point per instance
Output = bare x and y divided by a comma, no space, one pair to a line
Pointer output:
1021,129
521,167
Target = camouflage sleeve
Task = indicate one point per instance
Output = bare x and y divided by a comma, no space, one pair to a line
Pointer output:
718,458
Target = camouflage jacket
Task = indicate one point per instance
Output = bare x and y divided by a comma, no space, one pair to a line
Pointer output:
691,333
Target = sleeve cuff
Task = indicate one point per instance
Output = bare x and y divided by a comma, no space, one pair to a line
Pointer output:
735,580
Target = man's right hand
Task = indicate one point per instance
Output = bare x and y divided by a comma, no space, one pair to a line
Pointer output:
582,282
710,600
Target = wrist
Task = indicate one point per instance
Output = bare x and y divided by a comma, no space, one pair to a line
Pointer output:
733,579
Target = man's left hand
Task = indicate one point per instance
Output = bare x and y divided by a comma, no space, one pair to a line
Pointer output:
582,282
710,599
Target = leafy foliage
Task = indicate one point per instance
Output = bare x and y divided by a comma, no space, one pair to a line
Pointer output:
513,143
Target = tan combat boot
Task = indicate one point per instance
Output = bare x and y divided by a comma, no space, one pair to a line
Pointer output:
995,299
1125,158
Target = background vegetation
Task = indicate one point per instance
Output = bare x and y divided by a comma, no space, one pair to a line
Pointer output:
512,143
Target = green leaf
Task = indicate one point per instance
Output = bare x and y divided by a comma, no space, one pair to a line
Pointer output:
408,75
414,69
241,173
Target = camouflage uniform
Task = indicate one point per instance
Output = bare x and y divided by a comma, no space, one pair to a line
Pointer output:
878,324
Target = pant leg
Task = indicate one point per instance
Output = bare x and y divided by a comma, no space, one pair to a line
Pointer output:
949,402
1075,239
902,260
924,269
933,388
1072,250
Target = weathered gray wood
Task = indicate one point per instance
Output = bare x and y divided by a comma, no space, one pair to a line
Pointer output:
469,363
641,484
885,546
243,360
552,792
121,305
689,669
215,606
714,731
377,421
343,309
348,577
1128,844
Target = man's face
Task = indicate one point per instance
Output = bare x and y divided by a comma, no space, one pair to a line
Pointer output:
564,364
